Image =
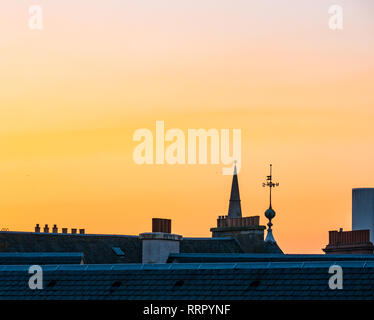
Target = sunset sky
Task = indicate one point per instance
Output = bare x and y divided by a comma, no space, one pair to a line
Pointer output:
73,93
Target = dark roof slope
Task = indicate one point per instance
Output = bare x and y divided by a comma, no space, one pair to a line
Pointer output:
99,249
271,247
95,248
210,245
245,281
40,258
263,257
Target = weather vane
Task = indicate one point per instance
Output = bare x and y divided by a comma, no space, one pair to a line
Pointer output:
270,213
269,182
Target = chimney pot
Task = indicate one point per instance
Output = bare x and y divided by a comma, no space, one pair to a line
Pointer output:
46,228
37,228
54,229
161,225
73,231
81,231
64,230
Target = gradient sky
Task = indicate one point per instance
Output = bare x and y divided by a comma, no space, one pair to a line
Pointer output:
72,94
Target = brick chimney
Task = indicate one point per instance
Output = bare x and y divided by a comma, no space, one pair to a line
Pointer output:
46,228
349,242
54,229
37,228
158,244
161,225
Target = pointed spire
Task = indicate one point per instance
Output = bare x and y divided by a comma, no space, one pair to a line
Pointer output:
270,213
235,210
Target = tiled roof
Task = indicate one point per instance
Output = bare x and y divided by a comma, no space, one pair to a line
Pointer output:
40,258
95,248
210,245
98,249
271,247
263,257
268,281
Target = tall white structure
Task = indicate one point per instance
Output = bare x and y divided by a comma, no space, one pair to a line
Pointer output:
363,210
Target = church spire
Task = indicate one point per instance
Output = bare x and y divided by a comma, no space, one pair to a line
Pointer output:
235,210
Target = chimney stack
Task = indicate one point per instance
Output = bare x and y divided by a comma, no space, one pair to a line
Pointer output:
54,229
349,242
161,225
46,228
37,228
158,244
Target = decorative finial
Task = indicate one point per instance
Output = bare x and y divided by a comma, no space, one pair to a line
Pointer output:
270,213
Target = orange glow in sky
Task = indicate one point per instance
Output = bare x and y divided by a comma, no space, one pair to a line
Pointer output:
73,93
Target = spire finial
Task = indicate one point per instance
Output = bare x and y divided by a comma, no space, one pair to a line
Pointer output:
270,213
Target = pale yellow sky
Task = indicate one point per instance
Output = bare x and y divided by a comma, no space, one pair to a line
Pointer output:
72,94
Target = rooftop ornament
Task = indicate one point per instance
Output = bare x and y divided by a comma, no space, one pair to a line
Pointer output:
270,213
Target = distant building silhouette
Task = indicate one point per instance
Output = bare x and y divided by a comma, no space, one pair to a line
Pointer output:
363,210
246,230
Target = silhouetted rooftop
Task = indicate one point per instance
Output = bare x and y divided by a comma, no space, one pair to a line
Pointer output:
95,248
99,249
263,257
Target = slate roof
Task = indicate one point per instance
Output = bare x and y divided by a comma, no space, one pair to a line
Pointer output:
210,245
271,247
98,249
95,248
227,281
264,257
40,258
